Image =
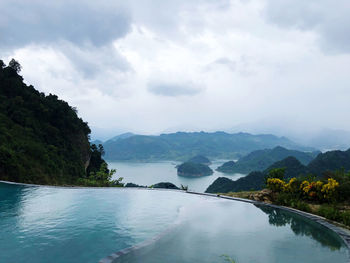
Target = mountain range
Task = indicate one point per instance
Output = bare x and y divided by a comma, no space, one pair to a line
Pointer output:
183,145
261,159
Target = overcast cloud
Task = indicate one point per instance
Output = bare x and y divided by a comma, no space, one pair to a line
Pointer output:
162,66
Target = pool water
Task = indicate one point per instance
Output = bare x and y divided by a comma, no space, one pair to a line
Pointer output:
49,224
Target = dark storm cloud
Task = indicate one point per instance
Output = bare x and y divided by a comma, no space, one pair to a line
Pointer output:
79,22
329,19
81,30
173,89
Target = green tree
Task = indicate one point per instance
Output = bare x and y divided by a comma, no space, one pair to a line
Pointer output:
275,173
14,64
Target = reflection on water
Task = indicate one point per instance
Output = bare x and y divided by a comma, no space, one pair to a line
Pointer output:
213,228
278,217
10,199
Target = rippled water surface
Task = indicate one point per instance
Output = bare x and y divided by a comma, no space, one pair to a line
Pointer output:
47,224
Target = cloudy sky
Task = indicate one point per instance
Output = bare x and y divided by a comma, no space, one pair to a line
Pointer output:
162,66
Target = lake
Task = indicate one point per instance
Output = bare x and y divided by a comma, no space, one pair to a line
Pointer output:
156,172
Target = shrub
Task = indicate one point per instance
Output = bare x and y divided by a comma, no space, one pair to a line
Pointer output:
184,187
292,186
300,205
277,173
329,190
330,212
288,199
344,184
276,184
346,218
285,199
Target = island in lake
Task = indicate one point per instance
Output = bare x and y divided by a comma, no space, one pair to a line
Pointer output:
190,169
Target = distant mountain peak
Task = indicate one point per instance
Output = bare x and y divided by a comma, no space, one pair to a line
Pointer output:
122,136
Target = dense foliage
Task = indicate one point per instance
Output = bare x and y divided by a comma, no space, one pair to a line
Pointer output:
97,173
182,146
227,167
193,169
318,168
261,159
165,185
199,159
318,191
330,161
42,140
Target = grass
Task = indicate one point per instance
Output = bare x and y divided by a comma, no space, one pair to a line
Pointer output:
243,194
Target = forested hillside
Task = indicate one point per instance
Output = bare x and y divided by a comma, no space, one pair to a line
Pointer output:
325,162
261,159
42,140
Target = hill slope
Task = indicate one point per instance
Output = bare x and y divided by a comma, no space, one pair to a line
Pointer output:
182,146
329,161
255,180
42,140
261,159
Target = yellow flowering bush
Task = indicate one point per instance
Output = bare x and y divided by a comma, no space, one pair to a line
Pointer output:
304,186
315,190
292,186
275,184
329,190
312,190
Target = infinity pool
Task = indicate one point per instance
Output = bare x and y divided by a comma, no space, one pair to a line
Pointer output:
48,224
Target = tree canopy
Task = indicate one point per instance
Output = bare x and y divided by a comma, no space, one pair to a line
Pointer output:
14,64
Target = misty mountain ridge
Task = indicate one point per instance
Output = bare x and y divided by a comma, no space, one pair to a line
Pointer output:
121,137
184,145
261,159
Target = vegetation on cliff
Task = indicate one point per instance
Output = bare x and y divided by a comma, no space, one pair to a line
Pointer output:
189,169
261,159
42,139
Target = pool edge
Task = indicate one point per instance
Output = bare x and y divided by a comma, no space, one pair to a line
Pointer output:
315,218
